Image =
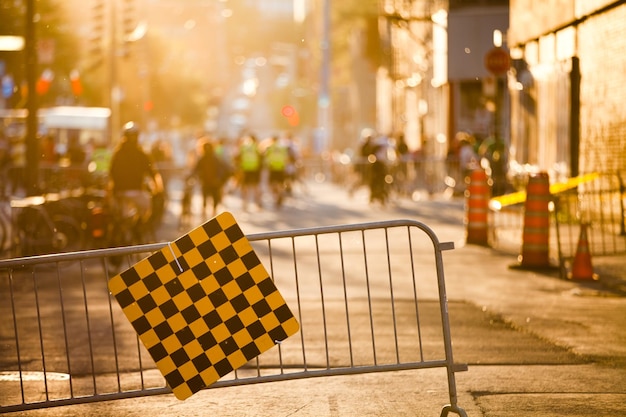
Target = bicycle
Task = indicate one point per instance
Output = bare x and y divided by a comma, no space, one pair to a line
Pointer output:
38,230
128,224
5,225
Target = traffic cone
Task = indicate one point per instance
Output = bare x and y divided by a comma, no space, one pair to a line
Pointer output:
581,267
477,208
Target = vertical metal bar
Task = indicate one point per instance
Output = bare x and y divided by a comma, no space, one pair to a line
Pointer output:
621,195
295,271
447,339
142,383
258,366
614,193
297,283
345,297
132,259
369,296
614,220
271,271
600,195
17,339
256,360
65,336
90,344
319,275
112,319
415,297
40,328
391,294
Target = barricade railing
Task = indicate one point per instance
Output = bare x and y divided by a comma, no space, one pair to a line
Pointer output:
368,297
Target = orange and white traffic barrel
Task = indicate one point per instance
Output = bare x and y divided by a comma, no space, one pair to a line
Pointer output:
477,208
536,233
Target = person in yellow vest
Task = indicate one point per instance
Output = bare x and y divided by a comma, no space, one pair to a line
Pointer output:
249,162
99,163
276,159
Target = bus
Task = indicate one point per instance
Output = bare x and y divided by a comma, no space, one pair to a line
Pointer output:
63,123
70,132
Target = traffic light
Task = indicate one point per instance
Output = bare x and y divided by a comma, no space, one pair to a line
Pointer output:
43,83
291,114
75,83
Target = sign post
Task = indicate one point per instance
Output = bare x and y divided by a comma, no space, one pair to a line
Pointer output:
498,62
32,146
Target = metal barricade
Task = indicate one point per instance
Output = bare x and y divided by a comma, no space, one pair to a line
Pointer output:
369,298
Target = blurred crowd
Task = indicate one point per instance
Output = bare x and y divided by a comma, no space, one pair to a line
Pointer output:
261,172
387,167
117,195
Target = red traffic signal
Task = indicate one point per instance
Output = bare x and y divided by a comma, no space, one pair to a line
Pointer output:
291,114
288,111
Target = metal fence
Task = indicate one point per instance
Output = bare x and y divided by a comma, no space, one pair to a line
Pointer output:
369,298
600,204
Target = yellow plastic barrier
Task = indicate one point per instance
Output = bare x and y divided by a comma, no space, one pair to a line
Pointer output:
497,203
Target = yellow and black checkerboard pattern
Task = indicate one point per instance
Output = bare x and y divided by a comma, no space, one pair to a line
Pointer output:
204,305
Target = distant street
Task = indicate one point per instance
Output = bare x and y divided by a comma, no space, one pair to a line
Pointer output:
322,204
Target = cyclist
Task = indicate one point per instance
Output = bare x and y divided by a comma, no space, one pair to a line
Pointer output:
133,181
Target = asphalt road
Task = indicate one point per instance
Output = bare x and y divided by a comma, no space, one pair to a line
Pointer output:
536,345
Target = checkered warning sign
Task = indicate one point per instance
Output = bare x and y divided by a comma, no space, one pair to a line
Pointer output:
204,305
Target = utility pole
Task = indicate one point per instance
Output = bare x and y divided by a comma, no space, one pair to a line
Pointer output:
323,100
114,89
32,145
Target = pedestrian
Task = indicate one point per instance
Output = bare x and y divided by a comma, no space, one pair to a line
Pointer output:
468,158
249,162
100,162
292,170
212,172
401,166
133,180
379,159
184,222
362,166
276,158
49,156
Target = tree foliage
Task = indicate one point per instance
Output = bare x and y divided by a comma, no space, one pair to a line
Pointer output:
50,28
354,24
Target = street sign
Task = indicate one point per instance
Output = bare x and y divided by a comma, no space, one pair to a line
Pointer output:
204,305
497,61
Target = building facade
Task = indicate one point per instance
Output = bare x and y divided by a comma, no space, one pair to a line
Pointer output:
437,77
567,86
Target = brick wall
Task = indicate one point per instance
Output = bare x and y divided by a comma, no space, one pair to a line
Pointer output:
602,52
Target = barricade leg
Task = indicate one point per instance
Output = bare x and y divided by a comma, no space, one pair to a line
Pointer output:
449,408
